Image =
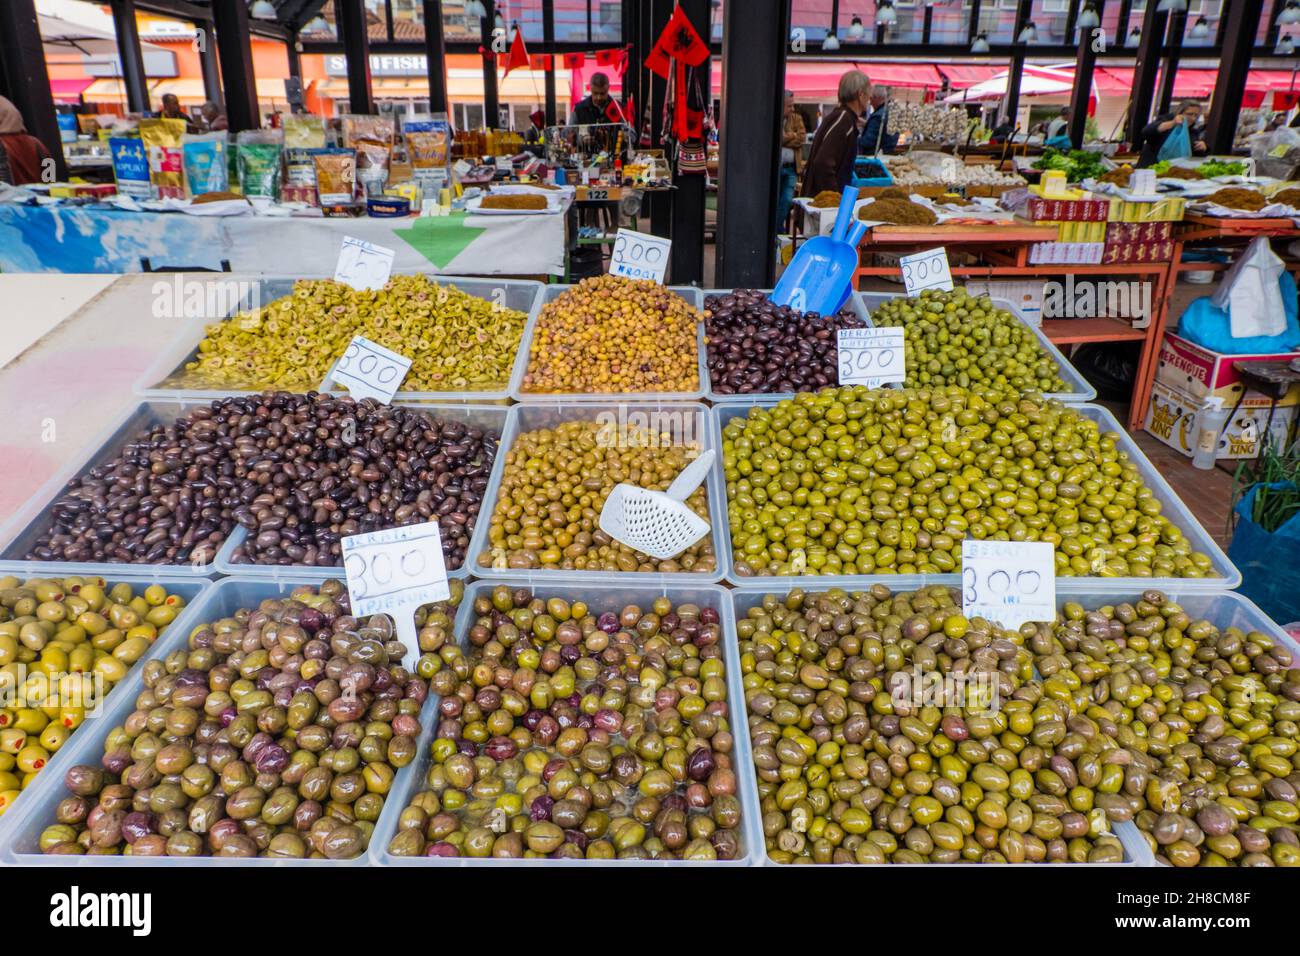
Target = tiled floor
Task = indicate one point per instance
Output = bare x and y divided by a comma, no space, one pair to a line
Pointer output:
1207,493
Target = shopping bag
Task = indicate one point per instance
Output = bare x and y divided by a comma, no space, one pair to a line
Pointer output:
1269,561
1177,145
1250,293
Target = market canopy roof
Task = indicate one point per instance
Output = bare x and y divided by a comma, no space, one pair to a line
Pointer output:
1035,81
64,36
820,79
963,75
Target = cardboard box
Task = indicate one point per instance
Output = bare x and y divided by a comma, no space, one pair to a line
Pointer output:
1066,253
1172,418
1159,251
1139,231
1163,210
1196,371
1067,210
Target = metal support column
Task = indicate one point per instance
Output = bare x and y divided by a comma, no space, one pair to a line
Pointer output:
548,46
1144,74
1084,62
1225,108
1017,61
350,21
129,56
435,52
491,98
660,203
235,51
688,197
754,40
1169,69
208,65
24,80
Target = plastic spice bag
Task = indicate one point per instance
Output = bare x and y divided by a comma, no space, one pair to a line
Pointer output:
359,126
299,176
428,140
303,131
259,162
130,167
204,156
162,142
336,175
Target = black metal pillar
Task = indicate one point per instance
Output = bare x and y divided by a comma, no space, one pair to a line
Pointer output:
973,30
350,21
548,46
1017,68
129,56
1169,68
1144,73
293,56
660,203
491,97
234,49
1238,39
754,39
1084,62
435,52
927,23
688,197
208,65
631,14
24,79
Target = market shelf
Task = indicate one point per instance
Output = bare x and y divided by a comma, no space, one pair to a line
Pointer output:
1100,329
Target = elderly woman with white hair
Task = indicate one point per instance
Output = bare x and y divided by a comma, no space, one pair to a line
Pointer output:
835,145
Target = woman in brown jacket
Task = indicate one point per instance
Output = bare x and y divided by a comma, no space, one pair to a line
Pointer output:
835,146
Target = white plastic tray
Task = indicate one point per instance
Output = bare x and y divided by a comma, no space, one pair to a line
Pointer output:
20,828
1171,506
599,597
854,303
491,417
520,294
693,296
1080,389
675,415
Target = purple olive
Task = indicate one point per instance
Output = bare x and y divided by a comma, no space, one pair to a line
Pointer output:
540,809
700,764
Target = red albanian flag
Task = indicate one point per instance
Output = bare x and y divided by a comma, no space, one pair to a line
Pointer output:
518,56
679,41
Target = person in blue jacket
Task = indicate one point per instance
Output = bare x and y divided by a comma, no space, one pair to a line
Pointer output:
876,137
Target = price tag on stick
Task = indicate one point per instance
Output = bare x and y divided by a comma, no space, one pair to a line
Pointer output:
926,270
871,357
394,572
1008,582
363,265
368,370
638,256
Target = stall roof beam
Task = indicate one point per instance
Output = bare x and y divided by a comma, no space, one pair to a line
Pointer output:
435,51
754,41
1017,61
1173,50
235,51
1225,107
351,22
1144,74
1084,62
24,79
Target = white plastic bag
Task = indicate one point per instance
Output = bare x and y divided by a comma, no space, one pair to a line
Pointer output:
1250,293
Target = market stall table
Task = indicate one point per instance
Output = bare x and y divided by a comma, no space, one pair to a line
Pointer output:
102,238
1005,251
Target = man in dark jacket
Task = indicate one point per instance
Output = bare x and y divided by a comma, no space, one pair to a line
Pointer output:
1157,131
595,108
835,145
876,137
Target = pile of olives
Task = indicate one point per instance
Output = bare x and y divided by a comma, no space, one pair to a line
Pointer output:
574,731
955,338
277,732
857,481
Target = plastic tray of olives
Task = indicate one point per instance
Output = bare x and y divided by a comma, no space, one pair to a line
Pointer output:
1136,850
693,296
20,831
685,421
1081,390
489,417
188,587
522,295
1228,577
855,303
24,529
599,598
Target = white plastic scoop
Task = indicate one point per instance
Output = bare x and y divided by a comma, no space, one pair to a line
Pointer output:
658,523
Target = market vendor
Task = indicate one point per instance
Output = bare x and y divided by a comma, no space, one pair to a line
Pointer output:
876,137
171,109
598,106
22,155
1157,131
835,145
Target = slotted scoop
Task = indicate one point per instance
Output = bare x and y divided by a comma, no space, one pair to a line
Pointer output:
658,523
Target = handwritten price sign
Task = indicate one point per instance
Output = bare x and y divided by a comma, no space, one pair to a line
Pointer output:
368,370
871,357
926,270
363,265
1008,582
395,571
638,256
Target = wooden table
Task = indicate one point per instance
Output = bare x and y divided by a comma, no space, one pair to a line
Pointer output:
1004,250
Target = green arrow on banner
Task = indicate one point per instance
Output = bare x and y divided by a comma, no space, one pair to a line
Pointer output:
440,239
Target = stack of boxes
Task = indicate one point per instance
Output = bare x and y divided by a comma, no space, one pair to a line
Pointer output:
1081,229
1189,374
1142,231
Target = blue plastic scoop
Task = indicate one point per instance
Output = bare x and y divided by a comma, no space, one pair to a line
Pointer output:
820,276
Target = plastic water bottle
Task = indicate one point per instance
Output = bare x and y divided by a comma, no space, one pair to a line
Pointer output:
1209,425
